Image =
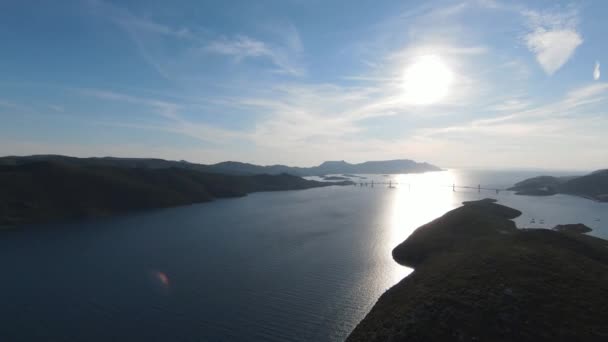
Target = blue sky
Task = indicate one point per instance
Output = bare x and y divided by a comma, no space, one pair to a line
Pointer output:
480,83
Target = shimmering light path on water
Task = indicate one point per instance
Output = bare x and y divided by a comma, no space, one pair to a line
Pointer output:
285,266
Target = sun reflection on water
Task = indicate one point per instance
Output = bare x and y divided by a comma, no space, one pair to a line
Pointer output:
417,199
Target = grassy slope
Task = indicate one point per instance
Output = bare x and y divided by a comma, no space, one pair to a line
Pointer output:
43,191
478,278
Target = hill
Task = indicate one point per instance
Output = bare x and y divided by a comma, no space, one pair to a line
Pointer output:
479,278
373,167
593,186
39,191
235,168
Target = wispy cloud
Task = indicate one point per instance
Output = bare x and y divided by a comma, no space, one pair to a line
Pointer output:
131,22
139,29
15,107
357,110
163,108
510,105
523,136
57,108
176,123
241,47
172,49
536,120
596,71
553,37
306,117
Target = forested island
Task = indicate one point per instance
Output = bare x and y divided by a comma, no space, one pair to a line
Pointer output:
479,278
593,186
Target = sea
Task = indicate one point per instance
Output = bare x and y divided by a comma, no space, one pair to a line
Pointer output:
302,265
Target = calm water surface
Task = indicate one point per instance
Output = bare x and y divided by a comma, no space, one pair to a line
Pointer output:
285,266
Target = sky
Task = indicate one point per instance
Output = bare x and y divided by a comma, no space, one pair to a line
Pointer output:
479,83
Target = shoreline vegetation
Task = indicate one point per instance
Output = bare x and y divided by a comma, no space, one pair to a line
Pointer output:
593,186
479,278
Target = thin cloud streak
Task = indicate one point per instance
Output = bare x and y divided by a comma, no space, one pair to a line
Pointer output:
536,120
170,111
241,47
146,33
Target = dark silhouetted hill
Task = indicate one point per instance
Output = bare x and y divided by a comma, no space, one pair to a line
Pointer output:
38,191
373,167
593,186
235,168
479,278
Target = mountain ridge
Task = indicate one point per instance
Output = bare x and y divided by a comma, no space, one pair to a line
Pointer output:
238,168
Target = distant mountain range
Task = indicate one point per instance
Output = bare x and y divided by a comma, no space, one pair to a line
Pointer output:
593,186
237,168
329,167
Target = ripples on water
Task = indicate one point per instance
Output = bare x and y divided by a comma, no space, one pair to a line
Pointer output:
286,266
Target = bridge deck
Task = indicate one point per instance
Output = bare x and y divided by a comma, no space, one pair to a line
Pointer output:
454,187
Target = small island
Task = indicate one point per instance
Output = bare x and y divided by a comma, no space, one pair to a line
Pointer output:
593,186
353,176
479,278
573,228
335,178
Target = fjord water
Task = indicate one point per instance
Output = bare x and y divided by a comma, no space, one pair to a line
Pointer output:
283,266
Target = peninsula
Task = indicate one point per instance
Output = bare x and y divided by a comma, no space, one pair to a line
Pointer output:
479,278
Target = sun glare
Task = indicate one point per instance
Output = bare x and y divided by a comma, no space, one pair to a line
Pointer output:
427,80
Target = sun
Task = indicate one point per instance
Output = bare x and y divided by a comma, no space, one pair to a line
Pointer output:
427,80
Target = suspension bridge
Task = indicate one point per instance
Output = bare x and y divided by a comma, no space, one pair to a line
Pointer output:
391,184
